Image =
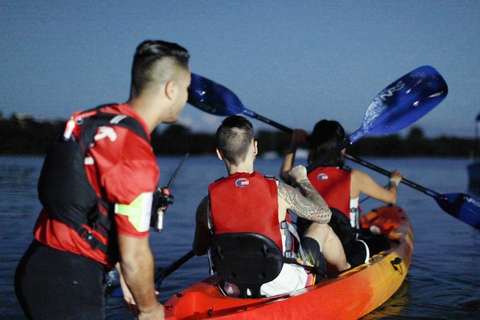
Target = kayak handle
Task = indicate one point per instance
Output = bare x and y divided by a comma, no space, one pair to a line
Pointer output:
397,265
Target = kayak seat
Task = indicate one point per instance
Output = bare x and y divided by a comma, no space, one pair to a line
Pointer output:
247,260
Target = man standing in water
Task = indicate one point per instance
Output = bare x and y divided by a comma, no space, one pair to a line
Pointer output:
61,276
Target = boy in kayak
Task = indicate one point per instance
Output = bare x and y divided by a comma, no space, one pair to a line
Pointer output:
97,205
339,186
246,201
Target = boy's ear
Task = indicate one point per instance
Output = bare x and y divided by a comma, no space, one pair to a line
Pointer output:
219,154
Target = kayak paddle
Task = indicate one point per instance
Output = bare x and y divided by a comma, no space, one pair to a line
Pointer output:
397,106
162,273
216,99
459,205
394,108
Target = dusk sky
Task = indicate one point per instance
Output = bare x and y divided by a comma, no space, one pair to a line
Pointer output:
295,62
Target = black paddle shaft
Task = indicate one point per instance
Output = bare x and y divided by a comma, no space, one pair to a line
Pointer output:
387,173
459,205
163,273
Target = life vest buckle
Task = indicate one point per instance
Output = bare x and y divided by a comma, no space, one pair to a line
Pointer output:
88,236
290,255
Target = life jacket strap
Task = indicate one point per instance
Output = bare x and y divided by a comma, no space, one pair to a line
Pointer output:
290,256
292,232
90,238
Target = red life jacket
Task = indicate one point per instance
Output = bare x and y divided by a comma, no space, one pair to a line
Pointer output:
333,184
245,202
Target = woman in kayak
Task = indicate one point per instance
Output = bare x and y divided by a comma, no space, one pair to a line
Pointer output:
246,201
339,186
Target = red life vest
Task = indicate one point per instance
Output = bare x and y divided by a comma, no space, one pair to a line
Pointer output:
245,202
333,184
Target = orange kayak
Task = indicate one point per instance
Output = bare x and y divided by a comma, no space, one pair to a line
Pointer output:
353,294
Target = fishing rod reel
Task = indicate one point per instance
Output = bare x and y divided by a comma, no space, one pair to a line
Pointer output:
162,198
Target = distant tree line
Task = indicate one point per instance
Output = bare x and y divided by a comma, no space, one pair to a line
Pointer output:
23,135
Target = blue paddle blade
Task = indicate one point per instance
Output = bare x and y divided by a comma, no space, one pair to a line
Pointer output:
212,97
402,103
462,206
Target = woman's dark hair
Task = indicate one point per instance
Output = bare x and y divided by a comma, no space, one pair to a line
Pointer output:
325,136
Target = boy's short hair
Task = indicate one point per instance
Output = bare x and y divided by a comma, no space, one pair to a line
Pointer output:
234,137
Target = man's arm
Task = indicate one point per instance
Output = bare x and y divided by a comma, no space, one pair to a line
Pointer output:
137,265
201,242
311,206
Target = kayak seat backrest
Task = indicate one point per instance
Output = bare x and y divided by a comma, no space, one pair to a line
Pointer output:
247,260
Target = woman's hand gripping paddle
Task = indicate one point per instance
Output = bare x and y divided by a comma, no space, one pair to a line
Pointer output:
459,205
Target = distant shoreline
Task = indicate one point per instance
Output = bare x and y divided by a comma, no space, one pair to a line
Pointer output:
23,135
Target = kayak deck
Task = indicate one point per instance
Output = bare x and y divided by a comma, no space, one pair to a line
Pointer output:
351,295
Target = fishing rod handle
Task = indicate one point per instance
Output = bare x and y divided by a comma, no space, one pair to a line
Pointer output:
164,198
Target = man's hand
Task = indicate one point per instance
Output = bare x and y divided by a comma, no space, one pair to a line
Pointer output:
156,314
128,296
137,267
298,173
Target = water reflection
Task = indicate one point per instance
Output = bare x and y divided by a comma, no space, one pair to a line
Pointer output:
392,307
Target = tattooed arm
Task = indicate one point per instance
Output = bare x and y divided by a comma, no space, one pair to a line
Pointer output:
312,206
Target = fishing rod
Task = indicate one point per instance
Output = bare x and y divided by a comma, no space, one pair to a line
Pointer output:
162,198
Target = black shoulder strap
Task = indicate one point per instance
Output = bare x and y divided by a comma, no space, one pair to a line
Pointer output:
104,119
270,177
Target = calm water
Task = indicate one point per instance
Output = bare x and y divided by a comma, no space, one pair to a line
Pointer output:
443,281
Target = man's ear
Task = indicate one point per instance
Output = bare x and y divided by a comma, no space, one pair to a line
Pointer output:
219,154
255,147
171,89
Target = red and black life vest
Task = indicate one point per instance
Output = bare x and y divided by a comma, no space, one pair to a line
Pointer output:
245,202
64,189
333,184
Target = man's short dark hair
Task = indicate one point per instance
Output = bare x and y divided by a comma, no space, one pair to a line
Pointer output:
156,62
234,137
